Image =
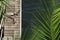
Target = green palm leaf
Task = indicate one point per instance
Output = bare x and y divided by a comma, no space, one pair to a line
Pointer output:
45,23
3,5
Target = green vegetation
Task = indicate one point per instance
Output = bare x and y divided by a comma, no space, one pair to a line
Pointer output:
3,5
45,23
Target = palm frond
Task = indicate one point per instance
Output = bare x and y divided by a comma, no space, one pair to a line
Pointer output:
3,5
45,23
